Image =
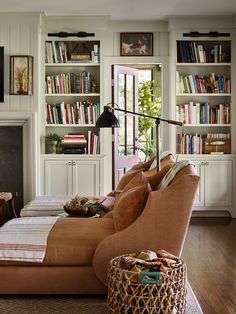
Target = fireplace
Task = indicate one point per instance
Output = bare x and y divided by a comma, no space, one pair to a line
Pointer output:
18,156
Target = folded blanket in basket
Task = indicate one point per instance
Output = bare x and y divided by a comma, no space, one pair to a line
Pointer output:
25,239
149,261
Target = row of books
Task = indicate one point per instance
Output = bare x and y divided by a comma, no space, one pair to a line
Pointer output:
193,52
193,84
194,143
58,52
203,113
78,113
189,144
69,83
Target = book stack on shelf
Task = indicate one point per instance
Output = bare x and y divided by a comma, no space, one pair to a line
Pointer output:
203,113
73,144
199,52
70,83
65,52
80,113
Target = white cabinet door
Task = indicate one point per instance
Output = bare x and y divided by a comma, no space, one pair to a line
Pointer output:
58,177
199,198
218,183
86,177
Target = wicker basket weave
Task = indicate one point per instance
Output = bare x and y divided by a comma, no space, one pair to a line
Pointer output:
126,295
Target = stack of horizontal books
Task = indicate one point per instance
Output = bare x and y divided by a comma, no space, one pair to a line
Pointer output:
73,144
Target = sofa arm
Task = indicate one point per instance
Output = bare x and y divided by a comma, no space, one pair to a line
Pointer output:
162,225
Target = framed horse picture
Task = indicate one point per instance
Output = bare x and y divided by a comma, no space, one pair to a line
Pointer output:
136,44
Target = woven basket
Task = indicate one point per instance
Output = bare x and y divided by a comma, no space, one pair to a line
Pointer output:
126,295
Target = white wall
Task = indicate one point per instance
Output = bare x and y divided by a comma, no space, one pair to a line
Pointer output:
19,34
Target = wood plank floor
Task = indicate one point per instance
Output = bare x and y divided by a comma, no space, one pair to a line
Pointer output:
210,254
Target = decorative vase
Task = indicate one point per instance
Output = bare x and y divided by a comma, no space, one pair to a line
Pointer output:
51,147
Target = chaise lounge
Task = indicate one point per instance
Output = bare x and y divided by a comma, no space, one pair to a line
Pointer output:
79,249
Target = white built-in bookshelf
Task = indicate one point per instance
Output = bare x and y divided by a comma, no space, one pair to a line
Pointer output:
72,89
203,95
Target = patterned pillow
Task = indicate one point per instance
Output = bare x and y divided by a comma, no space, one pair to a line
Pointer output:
129,206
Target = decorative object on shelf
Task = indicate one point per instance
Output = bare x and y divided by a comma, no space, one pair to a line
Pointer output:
209,34
136,44
66,34
51,143
21,75
108,120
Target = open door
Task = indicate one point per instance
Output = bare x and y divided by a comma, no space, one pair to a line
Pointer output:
125,139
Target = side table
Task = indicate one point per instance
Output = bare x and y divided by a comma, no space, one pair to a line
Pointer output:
7,197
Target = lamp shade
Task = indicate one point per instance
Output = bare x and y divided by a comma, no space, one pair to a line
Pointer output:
107,119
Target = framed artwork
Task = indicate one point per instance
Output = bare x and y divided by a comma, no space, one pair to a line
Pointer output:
136,44
21,75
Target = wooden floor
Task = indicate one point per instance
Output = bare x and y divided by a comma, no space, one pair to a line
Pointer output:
210,254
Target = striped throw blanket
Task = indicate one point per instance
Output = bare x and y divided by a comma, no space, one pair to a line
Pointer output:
25,239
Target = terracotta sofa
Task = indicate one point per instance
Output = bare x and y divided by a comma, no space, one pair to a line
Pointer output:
79,249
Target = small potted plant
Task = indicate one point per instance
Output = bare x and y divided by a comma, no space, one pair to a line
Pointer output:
51,143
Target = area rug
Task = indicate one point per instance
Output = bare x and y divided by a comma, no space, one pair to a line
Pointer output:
62,304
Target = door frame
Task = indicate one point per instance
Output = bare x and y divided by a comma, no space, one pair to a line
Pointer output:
106,134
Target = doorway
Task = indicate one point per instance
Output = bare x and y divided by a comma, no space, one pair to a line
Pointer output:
138,88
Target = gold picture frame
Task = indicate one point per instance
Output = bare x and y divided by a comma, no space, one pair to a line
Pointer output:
21,75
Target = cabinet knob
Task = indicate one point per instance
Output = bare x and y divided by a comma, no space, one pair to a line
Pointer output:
206,163
202,163
73,163
69,163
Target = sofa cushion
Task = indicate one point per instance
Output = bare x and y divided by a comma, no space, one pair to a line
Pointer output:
129,206
127,177
144,165
138,179
155,179
73,241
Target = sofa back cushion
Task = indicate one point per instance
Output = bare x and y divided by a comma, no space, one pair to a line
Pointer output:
129,206
155,179
125,179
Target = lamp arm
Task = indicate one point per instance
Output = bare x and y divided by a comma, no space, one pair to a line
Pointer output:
147,116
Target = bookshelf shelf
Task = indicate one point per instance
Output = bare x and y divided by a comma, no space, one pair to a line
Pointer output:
72,64
204,94
207,125
69,125
74,95
187,64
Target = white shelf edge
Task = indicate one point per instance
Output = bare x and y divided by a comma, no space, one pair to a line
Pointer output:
207,125
71,64
205,94
73,95
202,64
69,125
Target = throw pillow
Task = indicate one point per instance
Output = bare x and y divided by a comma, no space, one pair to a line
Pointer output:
137,180
145,165
129,206
155,179
126,178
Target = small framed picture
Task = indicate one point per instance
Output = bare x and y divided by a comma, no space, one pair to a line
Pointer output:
136,44
21,75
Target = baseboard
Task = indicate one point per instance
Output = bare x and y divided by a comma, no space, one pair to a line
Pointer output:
210,213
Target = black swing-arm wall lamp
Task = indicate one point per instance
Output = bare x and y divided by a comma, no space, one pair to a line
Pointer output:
108,120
